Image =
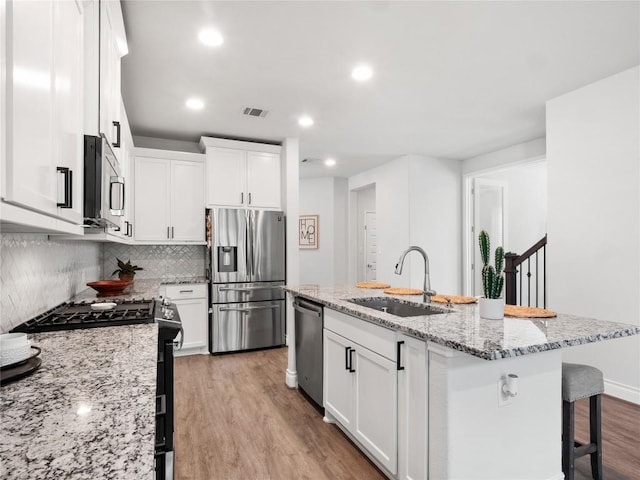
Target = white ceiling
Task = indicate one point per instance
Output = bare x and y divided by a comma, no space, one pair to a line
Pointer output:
451,79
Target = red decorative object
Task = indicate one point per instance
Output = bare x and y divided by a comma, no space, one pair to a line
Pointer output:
110,288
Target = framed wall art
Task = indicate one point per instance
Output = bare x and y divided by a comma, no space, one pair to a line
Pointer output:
308,231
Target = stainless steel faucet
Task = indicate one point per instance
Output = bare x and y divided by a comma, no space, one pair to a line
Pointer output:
426,291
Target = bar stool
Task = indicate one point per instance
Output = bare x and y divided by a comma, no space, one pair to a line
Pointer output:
581,381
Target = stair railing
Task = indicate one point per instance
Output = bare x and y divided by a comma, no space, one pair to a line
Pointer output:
515,265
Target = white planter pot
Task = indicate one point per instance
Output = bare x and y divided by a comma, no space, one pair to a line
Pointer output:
492,308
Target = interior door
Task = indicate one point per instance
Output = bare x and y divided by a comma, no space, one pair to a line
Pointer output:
370,246
489,207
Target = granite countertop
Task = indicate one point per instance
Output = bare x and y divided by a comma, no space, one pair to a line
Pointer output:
142,288
462,329
88,412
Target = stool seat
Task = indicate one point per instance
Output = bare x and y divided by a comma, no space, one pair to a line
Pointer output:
580,381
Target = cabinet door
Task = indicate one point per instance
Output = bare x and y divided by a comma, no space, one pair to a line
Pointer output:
109,72
338,380
376,395
31,177
152,197
187,201
412,409
226,177
194,316
68,107
263,180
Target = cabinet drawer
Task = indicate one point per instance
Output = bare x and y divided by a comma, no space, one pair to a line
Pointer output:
374,337
186,290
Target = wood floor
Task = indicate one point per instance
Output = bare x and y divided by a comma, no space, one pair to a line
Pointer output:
236,419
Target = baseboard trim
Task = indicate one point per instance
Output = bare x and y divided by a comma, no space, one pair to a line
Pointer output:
557,476
622,391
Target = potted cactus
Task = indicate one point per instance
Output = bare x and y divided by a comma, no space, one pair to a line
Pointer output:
126,271
492,304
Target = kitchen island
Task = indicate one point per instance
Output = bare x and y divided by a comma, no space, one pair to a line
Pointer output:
439,379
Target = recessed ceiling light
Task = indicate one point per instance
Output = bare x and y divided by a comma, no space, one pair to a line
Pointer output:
194,104
330,162
211,37
362,73
305,121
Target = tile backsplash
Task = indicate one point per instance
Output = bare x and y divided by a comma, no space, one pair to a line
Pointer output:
37,274
158,261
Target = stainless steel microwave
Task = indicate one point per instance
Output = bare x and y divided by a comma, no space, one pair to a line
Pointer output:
104,187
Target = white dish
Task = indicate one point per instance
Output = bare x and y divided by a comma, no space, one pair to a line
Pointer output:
9,356
13,340
102,306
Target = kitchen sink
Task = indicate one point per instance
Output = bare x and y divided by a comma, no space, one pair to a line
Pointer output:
398,308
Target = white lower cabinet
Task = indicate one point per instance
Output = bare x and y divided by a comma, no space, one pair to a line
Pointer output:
360,384
192,304
412,408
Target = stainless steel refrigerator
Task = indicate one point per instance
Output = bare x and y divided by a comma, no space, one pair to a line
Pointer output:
246,267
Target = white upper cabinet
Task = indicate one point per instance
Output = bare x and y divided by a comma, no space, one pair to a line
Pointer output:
169,197
226,176
263,180
113,46
242,174
44,107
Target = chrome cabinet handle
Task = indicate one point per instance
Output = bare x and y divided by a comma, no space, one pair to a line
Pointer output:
346,358
241,197
172,232
67,188
351,369
130,229
168,232
117,142
249,198
247,309
186,291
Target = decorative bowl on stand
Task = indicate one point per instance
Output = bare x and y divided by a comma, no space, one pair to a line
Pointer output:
110,288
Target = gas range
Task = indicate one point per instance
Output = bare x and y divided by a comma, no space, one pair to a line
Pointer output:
79,315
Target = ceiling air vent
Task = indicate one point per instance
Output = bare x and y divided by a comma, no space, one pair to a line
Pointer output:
255,112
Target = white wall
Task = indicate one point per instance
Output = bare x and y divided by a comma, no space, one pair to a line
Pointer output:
526,220
365,202
327,198
434,224
392,216
417,203
593,151
521,152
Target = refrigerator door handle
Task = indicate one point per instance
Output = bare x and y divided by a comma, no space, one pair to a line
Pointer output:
246,289
247,309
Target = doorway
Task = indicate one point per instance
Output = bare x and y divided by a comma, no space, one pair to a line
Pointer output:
510,203
370,246
366,233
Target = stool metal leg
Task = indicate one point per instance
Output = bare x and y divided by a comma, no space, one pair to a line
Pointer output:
595,432
568,450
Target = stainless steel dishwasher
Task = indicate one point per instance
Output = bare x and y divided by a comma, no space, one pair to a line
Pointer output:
309,323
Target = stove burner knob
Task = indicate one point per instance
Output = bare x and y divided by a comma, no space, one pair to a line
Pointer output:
166,301
168,314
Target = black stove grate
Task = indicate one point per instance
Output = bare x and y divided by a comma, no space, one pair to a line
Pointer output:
77,315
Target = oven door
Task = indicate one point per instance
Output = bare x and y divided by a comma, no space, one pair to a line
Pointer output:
247,326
